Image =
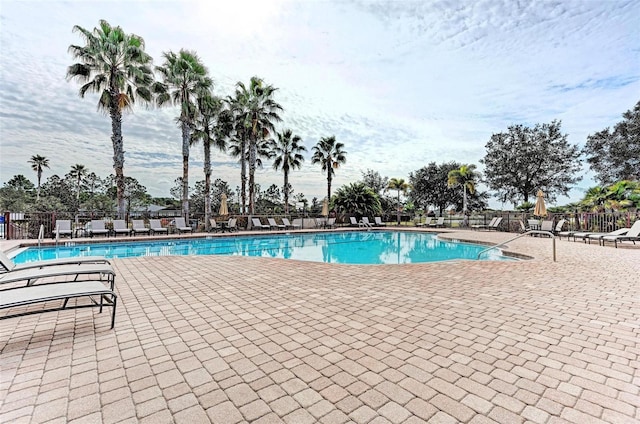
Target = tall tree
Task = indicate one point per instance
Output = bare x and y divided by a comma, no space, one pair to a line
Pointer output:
375,181
78,172
260,113
238,145
466,177
615,155
399,185
429,186
524,160
37,164
287,151
357,199
184,80
213,126
115,65
330,155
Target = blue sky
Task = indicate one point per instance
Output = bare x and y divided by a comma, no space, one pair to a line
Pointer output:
400,83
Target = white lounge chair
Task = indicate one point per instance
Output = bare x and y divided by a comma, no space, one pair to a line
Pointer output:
139,227
273,224
9,265
155,226
63,228
287,224
214,226
483,226
79,272
120,227
632,235
438,223
598,236
354,222
232,225
181,226
97,227
255,223
378,222
365,221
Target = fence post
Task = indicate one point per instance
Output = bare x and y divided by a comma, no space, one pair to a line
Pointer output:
7,225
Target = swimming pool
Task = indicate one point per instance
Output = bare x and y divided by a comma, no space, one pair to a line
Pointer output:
353,247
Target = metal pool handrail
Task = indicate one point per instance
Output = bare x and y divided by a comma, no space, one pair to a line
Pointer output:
549,233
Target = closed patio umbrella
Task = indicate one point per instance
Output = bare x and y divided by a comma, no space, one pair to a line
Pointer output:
224,210
540,209
325,207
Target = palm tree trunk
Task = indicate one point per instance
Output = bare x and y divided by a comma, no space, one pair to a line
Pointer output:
252,172
465,218
39,178
243,174
398,208
286,191
185,171
207,181
118,150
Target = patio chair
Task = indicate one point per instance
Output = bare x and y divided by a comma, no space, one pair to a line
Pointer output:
378,222
9,265
63,228
365,221
438,223
255,223
558,227
79,272
483,226
354,222
181,226
331,223
233,224
321,222
155,226
632,235
598,236
287,224
120,227
214,226
273,224
139,227
97,227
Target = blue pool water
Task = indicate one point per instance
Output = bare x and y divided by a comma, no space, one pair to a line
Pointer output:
353,247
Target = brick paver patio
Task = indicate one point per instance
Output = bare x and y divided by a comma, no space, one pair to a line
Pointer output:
234,339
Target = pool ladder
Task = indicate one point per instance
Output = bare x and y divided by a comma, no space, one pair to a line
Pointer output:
40,235
549,233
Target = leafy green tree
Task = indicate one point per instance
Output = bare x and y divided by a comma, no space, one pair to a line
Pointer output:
213,126
400,186
78,172
524,160
16,194
621,195
615,155
62,190
184,80
330,155
287,151
356,199
37,164
465,177
115,65
375,181
259,112
177,190
429,186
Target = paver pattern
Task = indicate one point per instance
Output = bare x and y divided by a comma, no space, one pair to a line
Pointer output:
235,339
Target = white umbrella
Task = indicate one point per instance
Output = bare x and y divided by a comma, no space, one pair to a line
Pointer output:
224,210
325,207
540,209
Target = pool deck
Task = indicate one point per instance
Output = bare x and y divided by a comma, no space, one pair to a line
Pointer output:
236,339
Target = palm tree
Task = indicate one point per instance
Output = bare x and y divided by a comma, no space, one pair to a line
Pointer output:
78,172
400,185
466,177
37,164
213,125
329,154
288,155
184,80
259,113
357,199
115,65
238,145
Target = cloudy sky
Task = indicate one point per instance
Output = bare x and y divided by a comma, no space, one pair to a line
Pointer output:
400,83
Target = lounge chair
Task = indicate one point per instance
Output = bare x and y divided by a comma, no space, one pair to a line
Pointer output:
438,223
20,297
9,265
155,226
598,236
233,224
366,222
321,222
63,228
80,272
97,227
214,226
273,224
426,223
181,226
483,226
331,223
378,222
632,235
584,235
287,224
120,227
255,223
353,222
139,227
